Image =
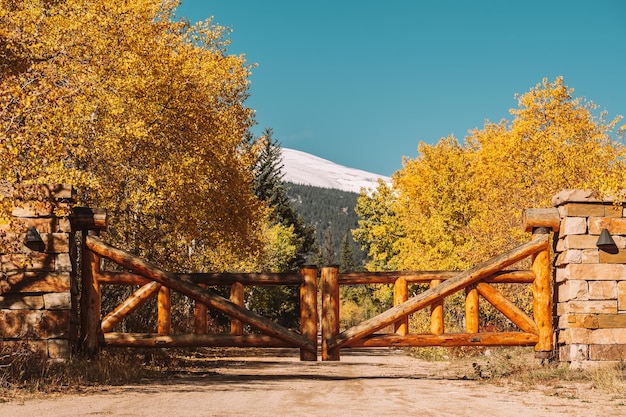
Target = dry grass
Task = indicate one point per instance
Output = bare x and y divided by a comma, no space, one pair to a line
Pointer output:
518,366
24,372
610,379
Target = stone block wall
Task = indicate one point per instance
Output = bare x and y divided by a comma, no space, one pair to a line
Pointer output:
37,298
590,281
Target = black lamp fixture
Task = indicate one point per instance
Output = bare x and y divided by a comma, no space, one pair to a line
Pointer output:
33,240
605,242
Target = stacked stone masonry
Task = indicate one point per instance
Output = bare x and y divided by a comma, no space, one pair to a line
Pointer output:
590,287
37,298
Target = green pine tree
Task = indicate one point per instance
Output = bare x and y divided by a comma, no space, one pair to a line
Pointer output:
269,187
328,248
279,303
347,255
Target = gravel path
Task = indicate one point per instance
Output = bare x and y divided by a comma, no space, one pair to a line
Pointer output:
373,383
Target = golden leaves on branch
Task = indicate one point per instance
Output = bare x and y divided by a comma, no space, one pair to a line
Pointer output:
459,203
144,114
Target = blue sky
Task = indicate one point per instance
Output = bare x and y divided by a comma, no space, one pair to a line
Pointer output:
361,83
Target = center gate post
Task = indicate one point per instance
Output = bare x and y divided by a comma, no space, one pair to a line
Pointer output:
308,311
330,311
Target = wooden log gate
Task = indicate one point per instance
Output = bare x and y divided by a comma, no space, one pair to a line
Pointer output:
153,281
536,330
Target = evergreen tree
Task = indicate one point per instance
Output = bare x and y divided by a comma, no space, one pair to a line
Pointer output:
328,248
267,182
347,255
269,187
279,303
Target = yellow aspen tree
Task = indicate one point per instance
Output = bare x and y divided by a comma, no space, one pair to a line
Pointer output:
554,142
378,230
457,204
432,205
143,113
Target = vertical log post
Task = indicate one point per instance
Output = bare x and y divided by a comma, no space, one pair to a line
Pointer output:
400,295
200,316
164,309
542,298
91,334
330,311
89,221
436,312
471,309
308,311
541,222
237,297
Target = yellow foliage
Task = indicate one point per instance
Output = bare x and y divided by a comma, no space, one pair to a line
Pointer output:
555,142
433,207
144,114
378,229
282,247
458,204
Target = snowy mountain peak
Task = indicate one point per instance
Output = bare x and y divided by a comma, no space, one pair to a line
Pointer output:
306,169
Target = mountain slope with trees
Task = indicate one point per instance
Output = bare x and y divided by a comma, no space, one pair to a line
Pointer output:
331,212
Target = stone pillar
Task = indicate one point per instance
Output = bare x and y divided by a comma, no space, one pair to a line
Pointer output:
590,281
37,294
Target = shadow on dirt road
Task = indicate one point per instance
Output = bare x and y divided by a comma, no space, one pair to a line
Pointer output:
379,382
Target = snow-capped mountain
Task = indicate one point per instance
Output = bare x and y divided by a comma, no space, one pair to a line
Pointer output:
303,168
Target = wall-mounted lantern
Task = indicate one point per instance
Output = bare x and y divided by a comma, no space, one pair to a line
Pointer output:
606,243
33,240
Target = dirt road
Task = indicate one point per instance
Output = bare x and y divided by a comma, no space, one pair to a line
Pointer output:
380,383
